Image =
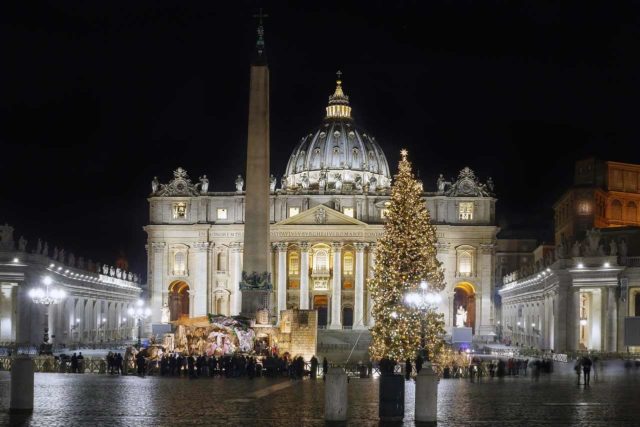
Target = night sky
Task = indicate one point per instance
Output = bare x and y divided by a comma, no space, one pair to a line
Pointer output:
98,97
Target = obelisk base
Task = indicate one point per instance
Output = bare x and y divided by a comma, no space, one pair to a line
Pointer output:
254,300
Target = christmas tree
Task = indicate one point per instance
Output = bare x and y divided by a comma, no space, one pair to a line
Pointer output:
406,268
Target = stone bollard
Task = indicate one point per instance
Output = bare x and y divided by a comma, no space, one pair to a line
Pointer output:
427,395
21,384
335,395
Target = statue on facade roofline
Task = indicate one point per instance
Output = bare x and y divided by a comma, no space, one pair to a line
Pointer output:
45,249
575,249
6,237
105,269
22,244
81,264
623,248
38,247
204,184
72,260
283,182
55,253
239,183
112,271
155,185
490,185
272,183
118,273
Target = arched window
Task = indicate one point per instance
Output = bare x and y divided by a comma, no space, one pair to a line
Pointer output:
348,263
465,263
616,210
321,261
180,264
294,264
632,212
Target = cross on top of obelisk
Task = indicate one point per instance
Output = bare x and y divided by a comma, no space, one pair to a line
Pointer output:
260,49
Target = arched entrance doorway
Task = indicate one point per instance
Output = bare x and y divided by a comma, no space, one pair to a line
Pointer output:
178,299
464,305
320,303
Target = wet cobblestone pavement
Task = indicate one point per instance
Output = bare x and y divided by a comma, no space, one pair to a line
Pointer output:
102,400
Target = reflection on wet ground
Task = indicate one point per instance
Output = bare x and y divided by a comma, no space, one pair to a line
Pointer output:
556,399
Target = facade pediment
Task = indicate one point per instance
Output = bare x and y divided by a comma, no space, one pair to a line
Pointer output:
321,215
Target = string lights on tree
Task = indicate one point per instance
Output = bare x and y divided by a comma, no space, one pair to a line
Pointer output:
406,270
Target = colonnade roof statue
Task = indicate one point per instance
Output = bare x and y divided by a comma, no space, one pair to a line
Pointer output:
337,153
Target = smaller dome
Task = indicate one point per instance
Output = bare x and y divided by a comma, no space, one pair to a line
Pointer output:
338,156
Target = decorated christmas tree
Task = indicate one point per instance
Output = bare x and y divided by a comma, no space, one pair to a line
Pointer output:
406,270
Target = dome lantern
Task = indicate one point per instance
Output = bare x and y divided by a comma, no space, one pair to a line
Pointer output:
338,107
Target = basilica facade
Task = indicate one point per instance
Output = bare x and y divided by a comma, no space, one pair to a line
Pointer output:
325,218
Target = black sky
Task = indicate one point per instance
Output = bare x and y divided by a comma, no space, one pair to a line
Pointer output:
98,97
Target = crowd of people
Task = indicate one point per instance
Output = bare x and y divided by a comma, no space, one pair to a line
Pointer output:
229,366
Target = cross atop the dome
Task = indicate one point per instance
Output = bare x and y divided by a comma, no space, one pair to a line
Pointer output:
339,75
404,153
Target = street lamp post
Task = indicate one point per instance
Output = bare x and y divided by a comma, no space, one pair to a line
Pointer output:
46,297
139,313
423,300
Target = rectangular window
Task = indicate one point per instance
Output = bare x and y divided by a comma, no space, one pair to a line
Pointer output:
348,212
293,211
221,213
465,211
180,210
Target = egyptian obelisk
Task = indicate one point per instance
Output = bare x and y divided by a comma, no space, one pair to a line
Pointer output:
256,282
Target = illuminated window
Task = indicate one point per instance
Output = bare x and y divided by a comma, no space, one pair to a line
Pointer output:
294,264
348,263
180,210
321,261
632,212
179,264
221,213
348,212
465,211
465,264
584,208
294,211
616,210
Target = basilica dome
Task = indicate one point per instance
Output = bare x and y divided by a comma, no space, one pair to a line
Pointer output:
338,156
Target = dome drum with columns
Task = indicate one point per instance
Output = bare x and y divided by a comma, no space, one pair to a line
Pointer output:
324,225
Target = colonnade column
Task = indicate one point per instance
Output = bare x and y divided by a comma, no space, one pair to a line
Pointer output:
372,263
281,247
612,320
358,312
200,261
573,319
236,276
336,287
304,275
7,308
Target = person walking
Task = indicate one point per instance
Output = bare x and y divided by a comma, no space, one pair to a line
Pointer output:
314,367
577,368
407,369
586,370
325,368
419,363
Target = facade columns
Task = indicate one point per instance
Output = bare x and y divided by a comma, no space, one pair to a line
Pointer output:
358,312
336,287
200,279
158,272
236,276
7,318
281,247
372,263
573,319
304,275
